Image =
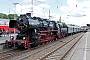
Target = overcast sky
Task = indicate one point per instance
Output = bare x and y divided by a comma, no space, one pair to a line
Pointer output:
71,11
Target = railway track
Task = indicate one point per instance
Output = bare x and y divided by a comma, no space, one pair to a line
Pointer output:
8,54
4,55
44,55
38,52
62,52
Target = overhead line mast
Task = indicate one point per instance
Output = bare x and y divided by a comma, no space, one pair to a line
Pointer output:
32,9
32,5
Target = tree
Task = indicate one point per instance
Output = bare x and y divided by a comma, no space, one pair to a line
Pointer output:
72,25
11,16
63,22
4,16
16,16
1,15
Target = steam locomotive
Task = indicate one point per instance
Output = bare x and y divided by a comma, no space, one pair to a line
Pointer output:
35,31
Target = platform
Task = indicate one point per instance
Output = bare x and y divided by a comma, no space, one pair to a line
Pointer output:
82,49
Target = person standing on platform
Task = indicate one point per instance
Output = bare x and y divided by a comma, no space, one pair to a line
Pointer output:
7,32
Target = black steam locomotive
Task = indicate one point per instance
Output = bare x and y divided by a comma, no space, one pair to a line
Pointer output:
35,31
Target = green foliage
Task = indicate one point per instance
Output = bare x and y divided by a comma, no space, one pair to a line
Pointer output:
4,16
10,16
63,22
72,25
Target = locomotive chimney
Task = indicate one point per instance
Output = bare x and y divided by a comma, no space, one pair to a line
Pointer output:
28,14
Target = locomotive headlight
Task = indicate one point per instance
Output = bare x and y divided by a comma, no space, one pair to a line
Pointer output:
11,37
24,38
